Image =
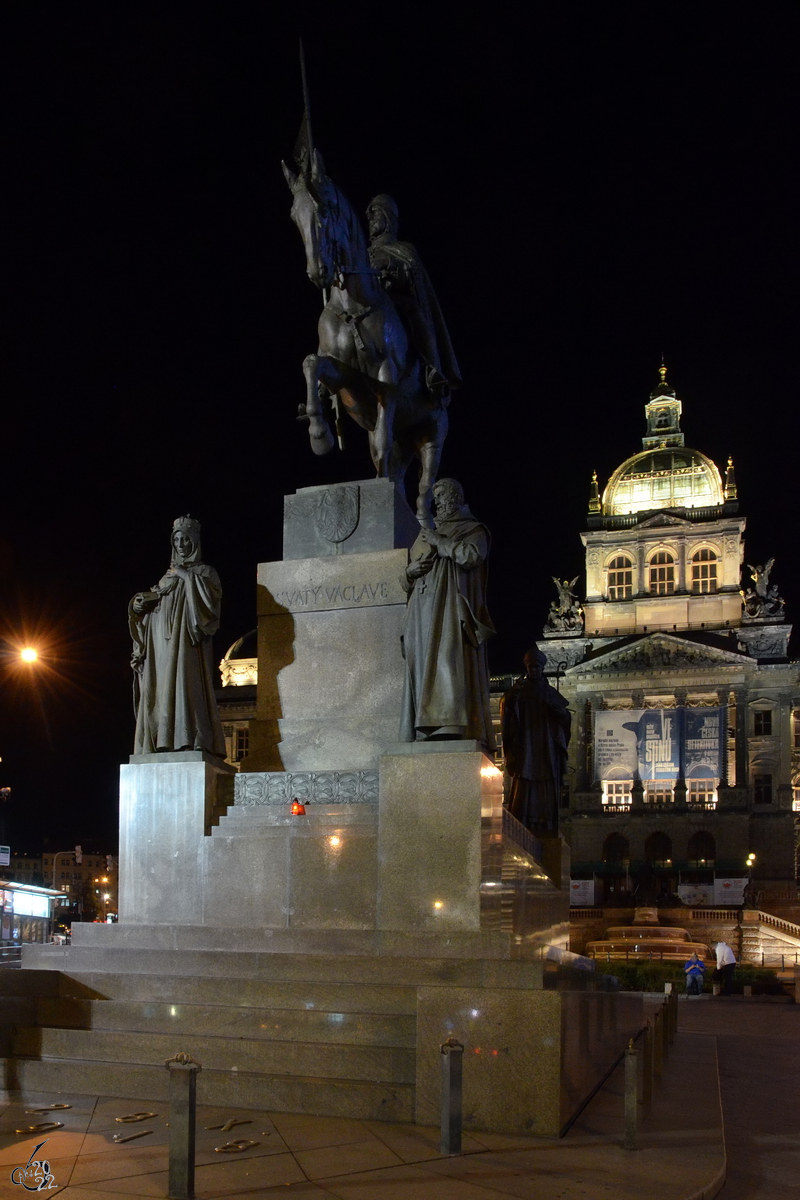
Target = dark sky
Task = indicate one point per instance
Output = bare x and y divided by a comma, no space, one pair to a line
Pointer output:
588,185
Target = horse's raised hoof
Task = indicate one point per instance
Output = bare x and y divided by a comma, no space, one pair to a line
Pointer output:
322,443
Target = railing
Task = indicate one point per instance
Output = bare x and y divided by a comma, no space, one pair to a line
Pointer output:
778,923
715,914
587,914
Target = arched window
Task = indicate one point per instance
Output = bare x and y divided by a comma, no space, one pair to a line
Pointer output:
704,571
658,850
702,849
662,574
620,578
616,849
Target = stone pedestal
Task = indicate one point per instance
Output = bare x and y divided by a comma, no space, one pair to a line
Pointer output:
433,796
167,804
330,668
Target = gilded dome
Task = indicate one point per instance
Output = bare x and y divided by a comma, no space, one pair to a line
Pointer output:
665,477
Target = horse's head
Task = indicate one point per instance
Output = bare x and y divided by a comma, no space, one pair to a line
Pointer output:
331,234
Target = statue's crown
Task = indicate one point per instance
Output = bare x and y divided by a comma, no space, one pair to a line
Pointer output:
188,524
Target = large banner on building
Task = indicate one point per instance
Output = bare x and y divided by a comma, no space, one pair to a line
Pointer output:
659,743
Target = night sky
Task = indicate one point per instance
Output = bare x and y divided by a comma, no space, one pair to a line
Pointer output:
588,186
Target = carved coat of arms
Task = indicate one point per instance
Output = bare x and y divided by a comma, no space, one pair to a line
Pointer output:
337,512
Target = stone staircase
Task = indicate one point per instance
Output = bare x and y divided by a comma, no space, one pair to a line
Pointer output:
315,1034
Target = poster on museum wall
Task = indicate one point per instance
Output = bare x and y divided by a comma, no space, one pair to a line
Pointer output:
581,892
696,895
704,735
729,891
659,743
635,741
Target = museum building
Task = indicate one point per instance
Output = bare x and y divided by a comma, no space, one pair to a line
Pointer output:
685,755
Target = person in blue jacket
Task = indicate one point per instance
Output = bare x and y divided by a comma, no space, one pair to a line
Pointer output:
694,971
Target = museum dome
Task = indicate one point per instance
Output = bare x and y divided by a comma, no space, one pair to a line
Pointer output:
665,473
667,477
239,666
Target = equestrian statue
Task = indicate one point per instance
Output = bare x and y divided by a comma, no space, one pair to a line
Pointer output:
384,354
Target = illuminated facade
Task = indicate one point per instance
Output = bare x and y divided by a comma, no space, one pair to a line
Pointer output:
685,757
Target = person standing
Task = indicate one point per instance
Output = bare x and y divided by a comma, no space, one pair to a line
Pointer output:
726,964
694,970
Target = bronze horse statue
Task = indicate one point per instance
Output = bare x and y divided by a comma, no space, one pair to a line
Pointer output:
365,357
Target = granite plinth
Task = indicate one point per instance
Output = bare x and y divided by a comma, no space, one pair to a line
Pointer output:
347,518
330,668
429,836
167,806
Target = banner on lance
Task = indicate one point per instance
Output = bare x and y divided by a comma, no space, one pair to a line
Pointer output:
659,743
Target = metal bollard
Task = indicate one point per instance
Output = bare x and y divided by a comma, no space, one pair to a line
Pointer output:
665,1017
452,1061
631,1089
647,1065
658,1045
182,1120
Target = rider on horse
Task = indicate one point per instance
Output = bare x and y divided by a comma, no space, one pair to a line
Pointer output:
406,280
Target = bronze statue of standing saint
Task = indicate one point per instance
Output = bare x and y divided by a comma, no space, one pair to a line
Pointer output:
172,626
536,724
446,627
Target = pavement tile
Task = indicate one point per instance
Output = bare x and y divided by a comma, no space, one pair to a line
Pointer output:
417,1143
219,1179
404,1183
60,1169
347,1158
301,1132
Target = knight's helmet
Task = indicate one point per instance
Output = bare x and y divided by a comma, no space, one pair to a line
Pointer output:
387,206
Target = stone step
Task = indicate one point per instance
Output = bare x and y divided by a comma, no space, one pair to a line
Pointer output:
371,1063
243,993
264,1024
285,965
362,1100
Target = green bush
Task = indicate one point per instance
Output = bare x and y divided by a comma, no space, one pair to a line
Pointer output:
644,976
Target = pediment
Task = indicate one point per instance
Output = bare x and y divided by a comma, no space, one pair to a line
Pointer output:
662,518
659,652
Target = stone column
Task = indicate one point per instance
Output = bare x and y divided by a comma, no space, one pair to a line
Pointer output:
723,696
742,774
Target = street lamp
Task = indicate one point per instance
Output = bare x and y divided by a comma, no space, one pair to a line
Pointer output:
29,654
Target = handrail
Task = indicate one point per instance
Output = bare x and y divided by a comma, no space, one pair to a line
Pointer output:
779,923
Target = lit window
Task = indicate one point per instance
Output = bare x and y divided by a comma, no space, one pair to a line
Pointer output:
662,574
762,789
617,793
658,791
620,578
701,792
704,571
242,742
762,723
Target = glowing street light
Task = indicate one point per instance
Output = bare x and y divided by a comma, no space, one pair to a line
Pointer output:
28,654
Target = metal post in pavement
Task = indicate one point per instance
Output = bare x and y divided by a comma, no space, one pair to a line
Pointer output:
631,1100
452,1061
647,1065
658,1044
182,1121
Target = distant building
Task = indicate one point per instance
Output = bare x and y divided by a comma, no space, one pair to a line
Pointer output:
237,696
685,756
89,885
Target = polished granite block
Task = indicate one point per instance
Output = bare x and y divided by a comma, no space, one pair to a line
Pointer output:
347,518
333,879
305,1022
330,671
387,1064
512,1057
241,993
429,839
167,805
596,1028
360,1100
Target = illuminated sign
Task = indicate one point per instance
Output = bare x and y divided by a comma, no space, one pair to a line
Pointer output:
29,904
